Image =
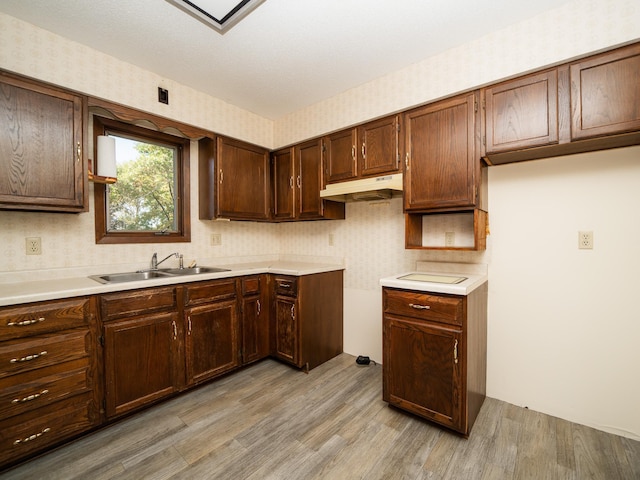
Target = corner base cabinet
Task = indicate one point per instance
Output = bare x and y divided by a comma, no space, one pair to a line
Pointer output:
307,318
434,355
50,384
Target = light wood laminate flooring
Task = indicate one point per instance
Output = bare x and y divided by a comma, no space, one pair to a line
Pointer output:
270,421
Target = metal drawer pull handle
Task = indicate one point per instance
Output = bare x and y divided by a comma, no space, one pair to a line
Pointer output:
31,437
419,307
455,352
28,398
28,357
258,307
25,322
285,285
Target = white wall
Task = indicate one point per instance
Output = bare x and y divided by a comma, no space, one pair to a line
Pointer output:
563,322
585,370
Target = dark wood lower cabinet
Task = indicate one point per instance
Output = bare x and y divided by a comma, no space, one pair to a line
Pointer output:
140,361
50,385
255,318
58,383
434,355
308,318
211,340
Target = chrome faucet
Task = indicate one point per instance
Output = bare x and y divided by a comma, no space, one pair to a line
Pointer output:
155,262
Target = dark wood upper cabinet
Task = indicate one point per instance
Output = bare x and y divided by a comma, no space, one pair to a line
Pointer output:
42,147
373,148
605,94
297,181
379,146
243,181
341,162
521,113
284,184
443,155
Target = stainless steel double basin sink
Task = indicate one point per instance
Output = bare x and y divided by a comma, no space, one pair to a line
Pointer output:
152,274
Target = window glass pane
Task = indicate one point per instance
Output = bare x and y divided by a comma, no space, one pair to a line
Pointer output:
144,197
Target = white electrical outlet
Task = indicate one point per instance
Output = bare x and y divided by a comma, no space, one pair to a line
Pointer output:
216,239
33,246
449,239
585,240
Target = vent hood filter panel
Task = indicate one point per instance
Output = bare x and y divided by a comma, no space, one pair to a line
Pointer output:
377,188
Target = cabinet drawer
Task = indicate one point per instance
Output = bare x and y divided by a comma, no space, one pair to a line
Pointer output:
33,431
37,352
22,393
287,286
424,306
208,291
39,318
250,285
118,305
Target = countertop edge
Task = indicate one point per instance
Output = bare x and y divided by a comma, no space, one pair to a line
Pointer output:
41,290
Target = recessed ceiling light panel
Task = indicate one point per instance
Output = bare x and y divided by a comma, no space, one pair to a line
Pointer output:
220,15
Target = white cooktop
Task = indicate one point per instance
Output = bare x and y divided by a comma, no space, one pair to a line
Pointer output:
439,277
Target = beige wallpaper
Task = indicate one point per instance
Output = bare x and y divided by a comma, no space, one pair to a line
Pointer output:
575,29
34,52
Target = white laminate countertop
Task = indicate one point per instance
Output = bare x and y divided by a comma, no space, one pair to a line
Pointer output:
50,289
474,274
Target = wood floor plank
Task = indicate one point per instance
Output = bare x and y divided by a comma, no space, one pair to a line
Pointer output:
272,422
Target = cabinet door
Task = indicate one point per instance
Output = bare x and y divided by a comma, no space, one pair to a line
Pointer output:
340,156
255,333
309,179
379,148
211,340
286,330
442,164
244,189
140,358
605,94
284,185
423,369
521,113
41,147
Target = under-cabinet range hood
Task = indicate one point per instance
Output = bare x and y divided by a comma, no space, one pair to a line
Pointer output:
376,188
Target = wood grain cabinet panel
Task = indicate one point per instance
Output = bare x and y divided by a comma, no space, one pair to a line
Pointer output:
605,94
307,318
255,318
434,354
211,340
297,180
443,158
140,356
521,113
379,146
243,181
42,147
50,383
211,329
341,162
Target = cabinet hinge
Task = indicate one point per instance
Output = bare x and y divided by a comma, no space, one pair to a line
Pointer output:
484,103
397,127
475,106
101,340
484,139
104,404
324,147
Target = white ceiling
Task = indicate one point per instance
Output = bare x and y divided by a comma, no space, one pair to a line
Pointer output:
286,54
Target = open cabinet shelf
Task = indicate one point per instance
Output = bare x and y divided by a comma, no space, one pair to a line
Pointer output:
463,230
